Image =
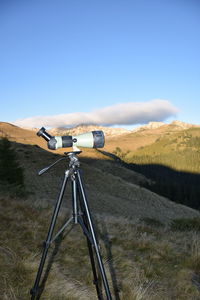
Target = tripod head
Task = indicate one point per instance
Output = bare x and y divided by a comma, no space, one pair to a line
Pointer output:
73,161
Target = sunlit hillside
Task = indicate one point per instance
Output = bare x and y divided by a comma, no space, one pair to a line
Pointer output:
172,162
179,150
144,135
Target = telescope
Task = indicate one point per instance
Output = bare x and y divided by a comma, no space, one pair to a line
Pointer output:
93,139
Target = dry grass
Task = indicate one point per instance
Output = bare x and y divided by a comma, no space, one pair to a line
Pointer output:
142,261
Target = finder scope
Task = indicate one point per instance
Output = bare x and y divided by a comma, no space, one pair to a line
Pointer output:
93,139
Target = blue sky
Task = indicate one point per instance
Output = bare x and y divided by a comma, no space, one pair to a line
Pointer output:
80,56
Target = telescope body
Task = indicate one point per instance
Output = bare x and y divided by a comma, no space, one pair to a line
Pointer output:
93,139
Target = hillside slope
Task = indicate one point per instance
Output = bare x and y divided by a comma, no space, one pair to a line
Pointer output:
107,185
177,147
145,135
172,162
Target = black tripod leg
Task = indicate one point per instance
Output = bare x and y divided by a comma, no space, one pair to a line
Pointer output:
94,239
96,280
84,224
47,243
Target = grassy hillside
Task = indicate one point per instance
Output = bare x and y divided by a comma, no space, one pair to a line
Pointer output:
150,245
112,189
180,151
144,137
172,162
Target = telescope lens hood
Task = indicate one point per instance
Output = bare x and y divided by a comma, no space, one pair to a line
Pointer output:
99,139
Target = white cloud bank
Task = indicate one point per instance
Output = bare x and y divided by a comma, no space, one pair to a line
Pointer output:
120,114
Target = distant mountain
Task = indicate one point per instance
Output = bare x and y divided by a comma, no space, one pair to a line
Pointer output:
111,131
183,125
153,125
150,125
108,131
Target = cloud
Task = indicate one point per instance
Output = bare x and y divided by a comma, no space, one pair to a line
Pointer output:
119,114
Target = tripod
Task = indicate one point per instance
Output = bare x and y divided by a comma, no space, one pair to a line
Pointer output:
80,215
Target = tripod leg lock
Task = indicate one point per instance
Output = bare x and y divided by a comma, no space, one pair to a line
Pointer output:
33,292
95,282
46,244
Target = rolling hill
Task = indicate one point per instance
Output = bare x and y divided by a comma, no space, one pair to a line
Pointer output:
172,162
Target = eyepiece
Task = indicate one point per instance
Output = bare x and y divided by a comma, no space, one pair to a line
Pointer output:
42,132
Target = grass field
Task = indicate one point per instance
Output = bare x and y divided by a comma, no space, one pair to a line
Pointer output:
145,260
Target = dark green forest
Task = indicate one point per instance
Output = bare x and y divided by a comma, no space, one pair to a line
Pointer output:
11,173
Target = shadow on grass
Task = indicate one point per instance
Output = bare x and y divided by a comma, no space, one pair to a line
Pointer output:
179,186
108,246
58,242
